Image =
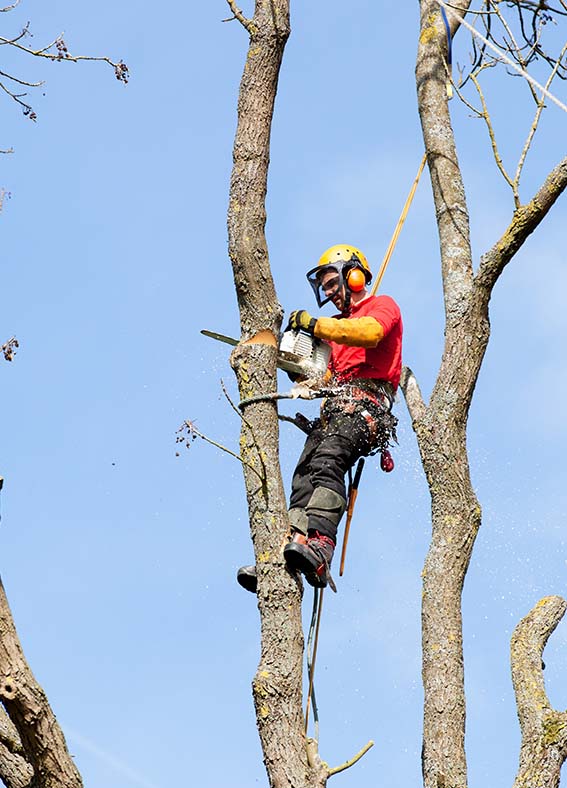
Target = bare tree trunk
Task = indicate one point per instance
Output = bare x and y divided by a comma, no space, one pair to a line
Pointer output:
277,686
27,706
441,430
441,425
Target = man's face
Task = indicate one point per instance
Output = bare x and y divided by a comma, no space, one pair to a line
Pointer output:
330,285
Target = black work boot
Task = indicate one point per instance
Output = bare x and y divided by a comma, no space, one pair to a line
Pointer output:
312,557
247,578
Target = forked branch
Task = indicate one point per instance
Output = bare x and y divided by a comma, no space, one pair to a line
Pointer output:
524,222
237,14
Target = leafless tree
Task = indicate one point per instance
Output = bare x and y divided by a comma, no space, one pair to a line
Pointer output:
33,751
512,37
18,88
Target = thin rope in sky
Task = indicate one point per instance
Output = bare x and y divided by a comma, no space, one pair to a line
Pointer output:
503,57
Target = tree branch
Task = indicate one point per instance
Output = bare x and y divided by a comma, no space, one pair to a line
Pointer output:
533,129
524,222
352,761
120,68
412,394
496,153
192,433
544,730
10,7
237,14
27,706
500,53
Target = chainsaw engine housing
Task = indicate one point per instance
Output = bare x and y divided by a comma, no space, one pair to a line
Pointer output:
310,353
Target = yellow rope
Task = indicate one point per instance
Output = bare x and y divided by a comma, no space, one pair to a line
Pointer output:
398,229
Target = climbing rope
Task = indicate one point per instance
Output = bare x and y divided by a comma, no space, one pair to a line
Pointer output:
312,643
398,229
297,392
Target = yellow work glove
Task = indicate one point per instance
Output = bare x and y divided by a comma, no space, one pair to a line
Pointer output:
301,319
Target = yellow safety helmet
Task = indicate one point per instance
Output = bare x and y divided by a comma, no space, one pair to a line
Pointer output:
351,266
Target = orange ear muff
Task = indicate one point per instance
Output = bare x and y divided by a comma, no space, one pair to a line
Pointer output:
356,280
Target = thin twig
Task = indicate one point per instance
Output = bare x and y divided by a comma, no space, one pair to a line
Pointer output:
521,60
120,68
505,58
348,764
467,103
232,404
21,81
10,7
533,129
486,117
25,31
236,409
193,431
28,111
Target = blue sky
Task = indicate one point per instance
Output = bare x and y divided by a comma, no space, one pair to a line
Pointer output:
117,555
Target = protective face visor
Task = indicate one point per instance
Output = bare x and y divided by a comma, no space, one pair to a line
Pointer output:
326,281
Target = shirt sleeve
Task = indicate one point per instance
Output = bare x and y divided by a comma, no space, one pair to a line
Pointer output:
385,310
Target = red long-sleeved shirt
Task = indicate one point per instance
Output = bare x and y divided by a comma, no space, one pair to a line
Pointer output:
383,361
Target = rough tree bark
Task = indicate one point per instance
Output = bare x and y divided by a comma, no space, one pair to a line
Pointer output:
544,730
41,740
277,685
440,426
15,771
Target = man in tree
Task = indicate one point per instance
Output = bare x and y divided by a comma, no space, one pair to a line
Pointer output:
356,420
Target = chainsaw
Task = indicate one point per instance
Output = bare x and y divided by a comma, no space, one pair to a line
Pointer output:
298,352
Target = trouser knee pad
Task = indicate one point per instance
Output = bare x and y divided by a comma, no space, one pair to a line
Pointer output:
325,503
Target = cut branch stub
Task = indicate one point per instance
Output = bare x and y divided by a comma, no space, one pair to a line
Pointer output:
544,730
